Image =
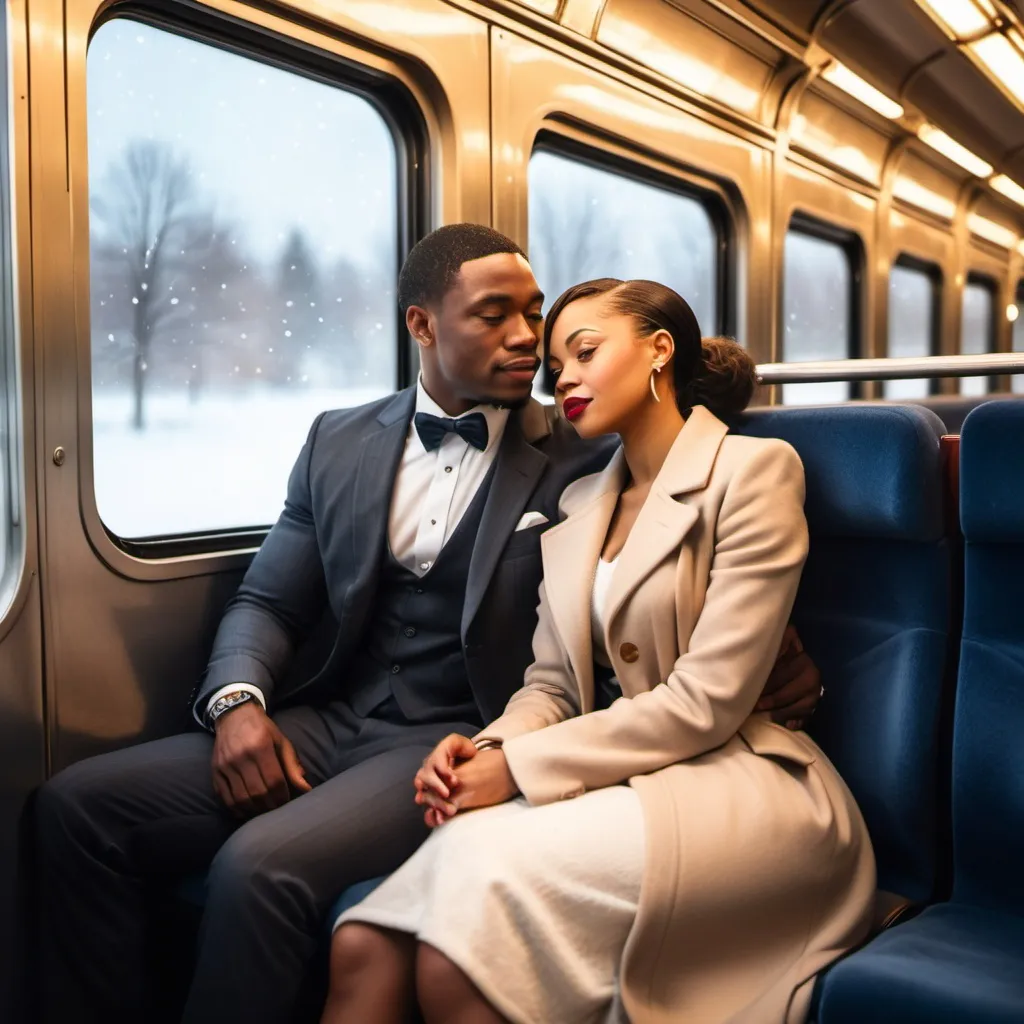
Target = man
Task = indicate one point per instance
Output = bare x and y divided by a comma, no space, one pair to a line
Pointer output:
415,521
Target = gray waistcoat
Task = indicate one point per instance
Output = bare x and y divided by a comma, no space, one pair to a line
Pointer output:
413,646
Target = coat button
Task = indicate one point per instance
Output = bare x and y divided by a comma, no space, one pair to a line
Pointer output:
409,631
628,653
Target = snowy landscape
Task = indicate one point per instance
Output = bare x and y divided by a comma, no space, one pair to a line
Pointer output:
222,462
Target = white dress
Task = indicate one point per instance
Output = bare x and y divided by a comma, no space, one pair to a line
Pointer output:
533,903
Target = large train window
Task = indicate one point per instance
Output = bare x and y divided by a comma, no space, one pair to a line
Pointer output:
977,328
10,433
914,292
587,221
1017,380
243,228
819,306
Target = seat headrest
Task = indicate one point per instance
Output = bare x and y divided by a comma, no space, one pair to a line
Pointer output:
992,473
872,471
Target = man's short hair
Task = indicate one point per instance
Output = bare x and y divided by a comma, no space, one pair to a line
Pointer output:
433,264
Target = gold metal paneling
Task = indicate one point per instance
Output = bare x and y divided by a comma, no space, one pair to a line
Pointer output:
830,133
685,50
920,184
989,219
534,88
548,7
582,16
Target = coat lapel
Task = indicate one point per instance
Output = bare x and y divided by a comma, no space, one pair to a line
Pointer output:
517,469
571,550
375,480
663,521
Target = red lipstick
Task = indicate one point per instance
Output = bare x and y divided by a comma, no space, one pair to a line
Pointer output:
573,408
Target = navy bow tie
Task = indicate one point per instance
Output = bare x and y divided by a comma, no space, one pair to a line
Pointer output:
432,429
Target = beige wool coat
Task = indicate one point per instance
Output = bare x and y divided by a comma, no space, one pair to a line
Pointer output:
759,870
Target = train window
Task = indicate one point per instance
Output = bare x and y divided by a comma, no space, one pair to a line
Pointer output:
1017,380
913,321
588,221
9,431
818,310
243,228
977,329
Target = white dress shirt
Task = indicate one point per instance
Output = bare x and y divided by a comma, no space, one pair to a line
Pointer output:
432,492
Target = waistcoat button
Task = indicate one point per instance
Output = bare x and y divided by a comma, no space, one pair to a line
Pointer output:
629,653
395,669
409,631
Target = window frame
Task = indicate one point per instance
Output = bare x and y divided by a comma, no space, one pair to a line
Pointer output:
991,285
398,109
13,428
936,279
1018,301
852,246
656,174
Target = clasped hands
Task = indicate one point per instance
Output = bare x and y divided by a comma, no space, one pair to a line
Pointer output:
456,777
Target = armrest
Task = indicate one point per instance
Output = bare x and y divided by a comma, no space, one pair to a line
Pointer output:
892,909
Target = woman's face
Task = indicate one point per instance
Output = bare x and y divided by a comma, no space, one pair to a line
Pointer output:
602,368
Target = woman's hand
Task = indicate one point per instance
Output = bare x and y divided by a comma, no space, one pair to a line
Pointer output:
436,780
483,779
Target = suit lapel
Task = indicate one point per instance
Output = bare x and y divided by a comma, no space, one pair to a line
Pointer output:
571,550
658,531
375,480
517,469
663,521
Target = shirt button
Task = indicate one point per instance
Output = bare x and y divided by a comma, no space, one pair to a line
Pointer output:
409,631
395,669
433,522
447,469
629,653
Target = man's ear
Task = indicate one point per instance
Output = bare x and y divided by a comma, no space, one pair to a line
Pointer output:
420,325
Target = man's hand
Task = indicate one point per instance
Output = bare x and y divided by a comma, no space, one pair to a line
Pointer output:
794,686
253,762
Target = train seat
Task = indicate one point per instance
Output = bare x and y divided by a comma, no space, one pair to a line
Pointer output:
961,960
954,409
873,611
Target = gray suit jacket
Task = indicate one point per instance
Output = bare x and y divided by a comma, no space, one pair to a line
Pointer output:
324,552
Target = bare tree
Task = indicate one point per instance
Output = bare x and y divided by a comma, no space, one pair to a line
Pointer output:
152,240
572,239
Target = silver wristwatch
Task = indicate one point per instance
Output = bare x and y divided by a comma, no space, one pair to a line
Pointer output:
226,703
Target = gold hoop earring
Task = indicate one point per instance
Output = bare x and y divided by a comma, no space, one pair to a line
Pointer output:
654,369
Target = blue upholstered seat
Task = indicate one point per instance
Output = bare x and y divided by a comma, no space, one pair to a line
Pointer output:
964,960
350,897
873,611
954,964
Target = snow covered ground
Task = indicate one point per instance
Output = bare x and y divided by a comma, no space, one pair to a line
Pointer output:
220,463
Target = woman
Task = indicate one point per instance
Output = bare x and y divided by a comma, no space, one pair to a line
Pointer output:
674,856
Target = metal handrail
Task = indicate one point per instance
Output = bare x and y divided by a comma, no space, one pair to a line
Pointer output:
891,369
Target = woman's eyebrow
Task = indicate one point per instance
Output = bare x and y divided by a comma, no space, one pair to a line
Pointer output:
579,330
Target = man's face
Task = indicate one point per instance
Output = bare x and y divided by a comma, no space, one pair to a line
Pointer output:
484,335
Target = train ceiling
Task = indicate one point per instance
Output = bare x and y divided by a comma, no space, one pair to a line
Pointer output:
957,63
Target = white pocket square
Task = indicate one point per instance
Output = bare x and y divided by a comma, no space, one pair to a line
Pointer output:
530,519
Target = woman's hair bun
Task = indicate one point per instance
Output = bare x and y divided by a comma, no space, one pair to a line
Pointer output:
727,381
